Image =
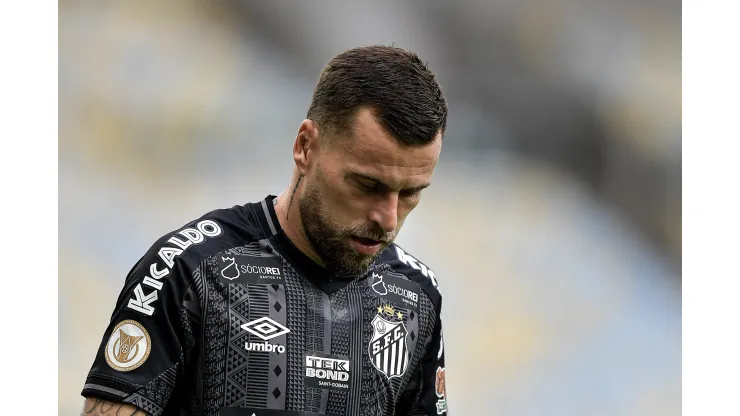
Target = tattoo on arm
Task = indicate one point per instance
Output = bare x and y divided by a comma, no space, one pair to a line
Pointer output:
100,407
295,188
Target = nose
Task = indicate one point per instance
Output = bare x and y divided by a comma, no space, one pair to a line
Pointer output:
385,212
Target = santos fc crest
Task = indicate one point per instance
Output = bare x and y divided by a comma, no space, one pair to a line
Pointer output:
388,347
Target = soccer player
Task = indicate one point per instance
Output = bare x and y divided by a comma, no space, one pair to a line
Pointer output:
299,304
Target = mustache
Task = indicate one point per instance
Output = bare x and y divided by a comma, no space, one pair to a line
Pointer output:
377,235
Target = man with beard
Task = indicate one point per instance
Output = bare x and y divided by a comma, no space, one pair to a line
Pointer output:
299,304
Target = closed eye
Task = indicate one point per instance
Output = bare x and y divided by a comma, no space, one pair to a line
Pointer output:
367,185
373,186
410,193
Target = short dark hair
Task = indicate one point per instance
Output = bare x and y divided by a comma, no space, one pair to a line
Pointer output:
394,83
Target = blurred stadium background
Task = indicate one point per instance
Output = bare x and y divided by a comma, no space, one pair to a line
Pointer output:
554,221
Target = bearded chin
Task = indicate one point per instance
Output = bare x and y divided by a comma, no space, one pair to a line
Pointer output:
327,238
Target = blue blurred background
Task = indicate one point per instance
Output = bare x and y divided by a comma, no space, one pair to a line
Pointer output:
554,219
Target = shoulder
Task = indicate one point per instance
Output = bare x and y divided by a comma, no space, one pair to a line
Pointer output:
401,261
165,270
213,232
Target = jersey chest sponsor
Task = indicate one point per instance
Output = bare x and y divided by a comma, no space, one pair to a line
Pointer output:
177,244
250,269
397,290
326,371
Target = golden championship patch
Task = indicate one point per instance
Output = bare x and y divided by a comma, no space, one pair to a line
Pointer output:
128,347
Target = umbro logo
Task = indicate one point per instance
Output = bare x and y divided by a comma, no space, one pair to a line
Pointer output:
265,328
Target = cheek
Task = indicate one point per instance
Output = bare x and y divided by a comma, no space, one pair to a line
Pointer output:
330,188
405,208
350,209
342,205
339,196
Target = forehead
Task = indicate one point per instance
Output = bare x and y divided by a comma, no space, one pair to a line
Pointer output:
374,152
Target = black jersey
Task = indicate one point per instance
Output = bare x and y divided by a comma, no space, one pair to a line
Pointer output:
226,316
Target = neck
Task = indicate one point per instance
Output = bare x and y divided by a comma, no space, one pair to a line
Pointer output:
289,216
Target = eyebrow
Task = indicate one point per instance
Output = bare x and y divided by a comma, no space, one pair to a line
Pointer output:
382,184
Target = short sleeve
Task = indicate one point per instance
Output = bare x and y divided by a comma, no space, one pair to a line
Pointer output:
428,394
140,357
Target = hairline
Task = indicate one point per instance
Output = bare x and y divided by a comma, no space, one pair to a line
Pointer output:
330,129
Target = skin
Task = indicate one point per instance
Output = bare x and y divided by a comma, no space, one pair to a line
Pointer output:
362,183
100,407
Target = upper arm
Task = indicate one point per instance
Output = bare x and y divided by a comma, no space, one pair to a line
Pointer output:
100,407
142,353
427,394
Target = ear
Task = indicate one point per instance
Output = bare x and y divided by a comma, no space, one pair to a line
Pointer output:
306,145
